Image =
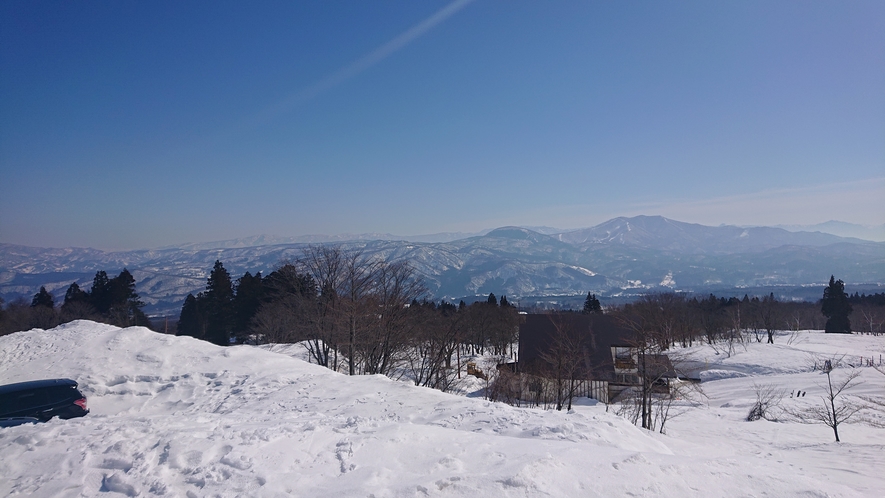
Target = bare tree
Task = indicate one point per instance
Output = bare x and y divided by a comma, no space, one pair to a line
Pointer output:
391,324
278,322
678,393
564,359
736,330
429,351
19,315
752,317
872,318
424,356
650,322
358,280
78,310
479,323
832,411
321,316
712,318
770,315
508,386
768,400
356,307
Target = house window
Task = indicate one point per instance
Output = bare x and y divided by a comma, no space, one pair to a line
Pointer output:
624,358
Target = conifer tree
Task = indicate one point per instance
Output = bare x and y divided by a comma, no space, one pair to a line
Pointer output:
219,298
43,298
492,299
447,308
836,308
248,298
75,295
100,294
591,304
125,306
76,304
122,289
192,321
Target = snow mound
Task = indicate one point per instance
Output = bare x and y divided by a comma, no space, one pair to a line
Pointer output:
718,374
174,416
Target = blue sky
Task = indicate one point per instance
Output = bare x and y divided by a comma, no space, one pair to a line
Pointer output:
142,124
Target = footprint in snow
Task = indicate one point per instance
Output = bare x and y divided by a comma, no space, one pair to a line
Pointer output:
343,452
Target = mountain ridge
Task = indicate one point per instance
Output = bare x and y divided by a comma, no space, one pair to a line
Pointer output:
636,254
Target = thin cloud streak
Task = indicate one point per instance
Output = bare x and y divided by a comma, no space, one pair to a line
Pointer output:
360,65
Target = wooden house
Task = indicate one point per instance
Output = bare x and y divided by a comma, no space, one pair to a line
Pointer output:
595,351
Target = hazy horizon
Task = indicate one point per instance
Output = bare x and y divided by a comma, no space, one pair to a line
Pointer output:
875,233
129,126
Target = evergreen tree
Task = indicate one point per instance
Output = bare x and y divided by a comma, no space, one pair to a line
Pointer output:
591,304
836,308
76,305
250,292
288,281
125,305
100,294
192,321
43,298
492,299
447,308
219,299
122,289
75,295
504,302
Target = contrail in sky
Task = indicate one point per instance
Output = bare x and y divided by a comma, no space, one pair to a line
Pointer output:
354,68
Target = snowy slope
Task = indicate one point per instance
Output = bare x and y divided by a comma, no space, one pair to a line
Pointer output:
807,450
173,416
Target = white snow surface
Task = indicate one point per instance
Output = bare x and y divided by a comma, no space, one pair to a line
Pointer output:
174,416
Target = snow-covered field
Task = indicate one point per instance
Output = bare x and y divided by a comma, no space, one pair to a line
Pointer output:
173,416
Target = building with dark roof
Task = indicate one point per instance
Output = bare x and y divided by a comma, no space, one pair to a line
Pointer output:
599,351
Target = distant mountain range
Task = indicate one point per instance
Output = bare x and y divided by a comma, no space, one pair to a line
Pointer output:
621,256
272,240
842,229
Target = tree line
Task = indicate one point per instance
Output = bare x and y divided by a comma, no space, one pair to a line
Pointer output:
681,319
659,325
109,300
354,313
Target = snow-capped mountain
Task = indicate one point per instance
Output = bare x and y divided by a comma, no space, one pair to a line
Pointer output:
657,232
644,252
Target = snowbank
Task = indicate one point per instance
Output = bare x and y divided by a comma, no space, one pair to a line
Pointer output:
718,374
173,416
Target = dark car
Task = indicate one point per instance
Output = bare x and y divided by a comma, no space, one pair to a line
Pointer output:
39,401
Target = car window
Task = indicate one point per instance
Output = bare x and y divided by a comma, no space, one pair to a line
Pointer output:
58,393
